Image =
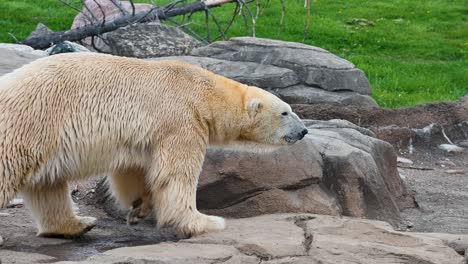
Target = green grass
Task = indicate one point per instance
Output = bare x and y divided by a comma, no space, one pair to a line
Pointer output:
415,53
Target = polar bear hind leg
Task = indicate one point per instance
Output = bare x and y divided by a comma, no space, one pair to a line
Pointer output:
128,186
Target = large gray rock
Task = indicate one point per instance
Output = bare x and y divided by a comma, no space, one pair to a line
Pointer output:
338,168
99,9
250,73
242,184
282,82
137,40
293,239
13,56
362,173
150,40
302,94
40,30
316,67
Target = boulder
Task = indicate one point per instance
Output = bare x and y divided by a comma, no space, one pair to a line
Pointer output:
260,75
283,82
40,30
138,40
98,9
338,168
315,67
293,238
150,40
243,184
13,56
302,94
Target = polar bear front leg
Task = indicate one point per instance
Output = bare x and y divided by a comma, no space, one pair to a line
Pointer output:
52,210
174,184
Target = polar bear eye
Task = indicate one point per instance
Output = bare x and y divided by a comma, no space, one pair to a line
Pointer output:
284,113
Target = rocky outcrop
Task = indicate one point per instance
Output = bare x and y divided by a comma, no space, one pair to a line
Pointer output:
150,40
297,239
297,73
13,56
316,67
261,75
338,169
137,40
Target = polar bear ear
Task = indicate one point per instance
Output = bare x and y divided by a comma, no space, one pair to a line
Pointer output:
254,106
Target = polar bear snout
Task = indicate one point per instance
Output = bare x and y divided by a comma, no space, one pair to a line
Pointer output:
296,136
296,131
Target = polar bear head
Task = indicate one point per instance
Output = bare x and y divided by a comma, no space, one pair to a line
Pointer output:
270,121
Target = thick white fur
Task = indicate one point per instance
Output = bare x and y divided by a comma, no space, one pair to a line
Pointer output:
147,124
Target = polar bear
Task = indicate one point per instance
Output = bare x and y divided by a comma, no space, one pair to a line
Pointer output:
68,117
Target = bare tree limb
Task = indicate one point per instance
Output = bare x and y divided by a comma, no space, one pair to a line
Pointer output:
133,7
102,12
119,6
265,6
76,9
207,25
235,13
283,10
13,37
184,27
257,9
93,44
306,28
254,22
85,6
244,16
216,23
162,13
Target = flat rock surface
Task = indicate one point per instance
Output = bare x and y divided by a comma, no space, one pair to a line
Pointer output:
293,238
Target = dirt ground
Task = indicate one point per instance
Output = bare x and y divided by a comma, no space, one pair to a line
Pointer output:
440,187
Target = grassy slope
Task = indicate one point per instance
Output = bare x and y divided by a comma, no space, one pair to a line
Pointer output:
415,53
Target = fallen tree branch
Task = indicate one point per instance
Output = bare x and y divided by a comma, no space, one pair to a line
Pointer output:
414,167
95,29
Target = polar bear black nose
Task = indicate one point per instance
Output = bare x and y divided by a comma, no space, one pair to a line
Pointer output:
302,134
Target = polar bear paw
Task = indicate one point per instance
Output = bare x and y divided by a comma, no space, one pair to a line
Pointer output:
203,224
70,229
215,223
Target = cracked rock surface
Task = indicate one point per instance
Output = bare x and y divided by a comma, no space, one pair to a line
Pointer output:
293,238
